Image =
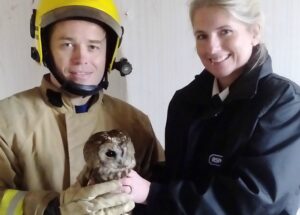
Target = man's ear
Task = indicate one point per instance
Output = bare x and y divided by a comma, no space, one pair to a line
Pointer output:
256,34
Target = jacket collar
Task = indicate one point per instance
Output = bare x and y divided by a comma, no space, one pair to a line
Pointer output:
245,87
58,98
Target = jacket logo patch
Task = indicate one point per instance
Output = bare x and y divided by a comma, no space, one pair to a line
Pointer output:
215,160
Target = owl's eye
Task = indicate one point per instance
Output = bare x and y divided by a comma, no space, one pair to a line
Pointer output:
111,153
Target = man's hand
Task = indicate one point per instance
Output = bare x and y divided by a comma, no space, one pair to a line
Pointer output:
99,199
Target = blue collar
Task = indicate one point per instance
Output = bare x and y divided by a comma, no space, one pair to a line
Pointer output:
82,108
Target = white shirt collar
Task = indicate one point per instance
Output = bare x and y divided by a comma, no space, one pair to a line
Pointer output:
216,90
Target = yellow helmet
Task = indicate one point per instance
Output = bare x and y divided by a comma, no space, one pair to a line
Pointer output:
48,12
51,11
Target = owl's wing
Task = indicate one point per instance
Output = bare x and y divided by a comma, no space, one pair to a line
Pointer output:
84,176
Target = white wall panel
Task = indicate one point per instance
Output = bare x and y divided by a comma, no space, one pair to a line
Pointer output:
17,70
158,42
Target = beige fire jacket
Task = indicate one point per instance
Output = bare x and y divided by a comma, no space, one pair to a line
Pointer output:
42,138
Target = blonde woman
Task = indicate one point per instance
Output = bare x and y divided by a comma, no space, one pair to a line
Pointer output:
233,133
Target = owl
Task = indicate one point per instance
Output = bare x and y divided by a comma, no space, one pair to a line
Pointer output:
108,155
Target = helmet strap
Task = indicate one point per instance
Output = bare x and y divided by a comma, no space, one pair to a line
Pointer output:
72,87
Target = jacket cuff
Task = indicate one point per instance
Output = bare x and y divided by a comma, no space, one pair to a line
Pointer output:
157,199
37,202
53,207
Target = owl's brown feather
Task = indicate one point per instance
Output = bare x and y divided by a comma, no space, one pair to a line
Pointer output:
109,155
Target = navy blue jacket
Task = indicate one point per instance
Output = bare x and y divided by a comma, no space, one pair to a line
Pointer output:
237,157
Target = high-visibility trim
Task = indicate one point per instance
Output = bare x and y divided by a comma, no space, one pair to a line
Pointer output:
12,202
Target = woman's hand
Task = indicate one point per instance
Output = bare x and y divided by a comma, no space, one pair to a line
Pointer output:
136,186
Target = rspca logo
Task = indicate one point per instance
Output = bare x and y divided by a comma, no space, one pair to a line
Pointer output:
215,160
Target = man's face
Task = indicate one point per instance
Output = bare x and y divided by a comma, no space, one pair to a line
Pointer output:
79,51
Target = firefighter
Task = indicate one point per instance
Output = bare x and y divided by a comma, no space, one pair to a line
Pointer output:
43,129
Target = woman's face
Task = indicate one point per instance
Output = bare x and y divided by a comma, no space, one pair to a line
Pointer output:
224,44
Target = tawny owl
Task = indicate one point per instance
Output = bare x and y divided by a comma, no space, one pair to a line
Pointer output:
109,155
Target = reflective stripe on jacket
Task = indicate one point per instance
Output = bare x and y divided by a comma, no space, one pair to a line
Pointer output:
12,202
